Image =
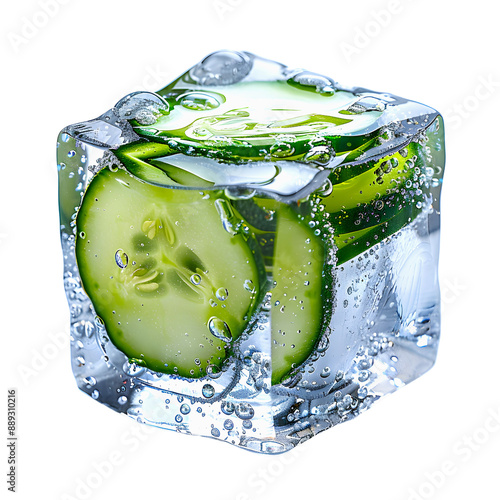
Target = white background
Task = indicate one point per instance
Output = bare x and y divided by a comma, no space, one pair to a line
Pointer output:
80,59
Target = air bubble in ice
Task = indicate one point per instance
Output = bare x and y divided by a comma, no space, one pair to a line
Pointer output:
178,418
122,400
323,344
83,328
228,424
213,371
365,363
208,391
326,189
249,286
244,411
226,215
227,407
219,329
224,67
90,381
133,369
362,392
185,409
319,154
215,432
95,394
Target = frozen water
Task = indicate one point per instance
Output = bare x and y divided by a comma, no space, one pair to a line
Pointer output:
326,196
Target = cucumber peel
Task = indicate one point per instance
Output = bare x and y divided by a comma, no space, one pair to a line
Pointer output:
297,313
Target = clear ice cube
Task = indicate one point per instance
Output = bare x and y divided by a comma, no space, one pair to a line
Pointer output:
250,253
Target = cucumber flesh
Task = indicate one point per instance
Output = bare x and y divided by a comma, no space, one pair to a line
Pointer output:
168,281
297,303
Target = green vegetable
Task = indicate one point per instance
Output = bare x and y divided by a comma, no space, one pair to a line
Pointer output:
297,303
169,282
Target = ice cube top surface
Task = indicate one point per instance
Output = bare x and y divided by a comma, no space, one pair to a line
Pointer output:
258,239
271,127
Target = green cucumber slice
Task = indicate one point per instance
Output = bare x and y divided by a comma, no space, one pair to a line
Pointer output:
297,303
370,202
168,281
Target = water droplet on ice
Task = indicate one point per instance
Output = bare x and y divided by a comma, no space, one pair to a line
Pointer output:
219,329
222,293
224,67
199,101
320,82
121,259
249,286
144,107
195,279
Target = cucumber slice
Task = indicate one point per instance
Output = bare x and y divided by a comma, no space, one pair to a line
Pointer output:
297,310
370,202
168,281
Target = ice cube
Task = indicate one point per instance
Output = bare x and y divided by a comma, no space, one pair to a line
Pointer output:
251,252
